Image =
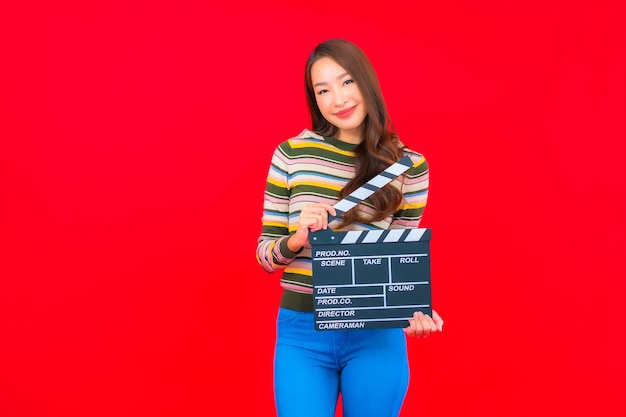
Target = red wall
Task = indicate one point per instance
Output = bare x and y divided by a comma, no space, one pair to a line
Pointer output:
135,140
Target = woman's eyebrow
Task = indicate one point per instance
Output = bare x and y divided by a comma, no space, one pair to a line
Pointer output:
324,82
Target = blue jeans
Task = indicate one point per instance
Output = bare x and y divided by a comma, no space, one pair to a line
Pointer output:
311,368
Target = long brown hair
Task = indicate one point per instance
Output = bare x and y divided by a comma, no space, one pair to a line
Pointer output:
380,147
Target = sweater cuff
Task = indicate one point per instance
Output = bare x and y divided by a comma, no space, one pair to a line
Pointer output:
284,249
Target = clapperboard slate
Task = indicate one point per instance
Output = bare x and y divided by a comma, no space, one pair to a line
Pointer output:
370,279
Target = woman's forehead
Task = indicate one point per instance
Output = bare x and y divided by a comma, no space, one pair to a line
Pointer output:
326,70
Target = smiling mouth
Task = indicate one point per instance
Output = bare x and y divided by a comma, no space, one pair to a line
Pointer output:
345,113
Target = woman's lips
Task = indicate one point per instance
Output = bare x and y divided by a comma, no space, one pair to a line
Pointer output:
344,114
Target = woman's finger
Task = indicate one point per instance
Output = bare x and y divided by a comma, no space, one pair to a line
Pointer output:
438,321
415,326
424,323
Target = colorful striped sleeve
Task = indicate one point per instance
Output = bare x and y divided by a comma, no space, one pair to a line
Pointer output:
272,252
415,194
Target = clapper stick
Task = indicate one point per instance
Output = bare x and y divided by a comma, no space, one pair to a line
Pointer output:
370,187
360,194
366,279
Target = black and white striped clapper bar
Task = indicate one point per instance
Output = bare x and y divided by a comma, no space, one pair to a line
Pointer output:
370,279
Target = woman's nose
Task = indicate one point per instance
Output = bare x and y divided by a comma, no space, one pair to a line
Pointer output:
340,99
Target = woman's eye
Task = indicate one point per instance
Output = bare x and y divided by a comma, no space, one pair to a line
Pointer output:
322,92
346,82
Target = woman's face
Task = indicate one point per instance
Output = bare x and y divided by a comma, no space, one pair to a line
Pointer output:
339,99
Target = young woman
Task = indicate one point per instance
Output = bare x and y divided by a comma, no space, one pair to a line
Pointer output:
351,141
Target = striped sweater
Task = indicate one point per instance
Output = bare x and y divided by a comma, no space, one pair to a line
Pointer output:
309,169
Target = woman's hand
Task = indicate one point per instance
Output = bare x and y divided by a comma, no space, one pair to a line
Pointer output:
313,217
421,325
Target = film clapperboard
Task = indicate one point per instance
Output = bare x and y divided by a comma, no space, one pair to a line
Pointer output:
370,279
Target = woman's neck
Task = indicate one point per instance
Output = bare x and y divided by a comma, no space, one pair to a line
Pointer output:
354,136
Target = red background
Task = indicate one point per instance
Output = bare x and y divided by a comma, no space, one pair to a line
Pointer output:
135,140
